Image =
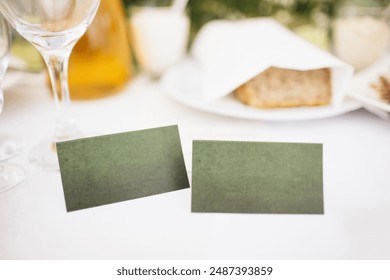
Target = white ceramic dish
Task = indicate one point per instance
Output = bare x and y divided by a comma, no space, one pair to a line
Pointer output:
183,83
362,88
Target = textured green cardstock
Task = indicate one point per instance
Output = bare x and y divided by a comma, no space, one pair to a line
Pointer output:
113,168
255,177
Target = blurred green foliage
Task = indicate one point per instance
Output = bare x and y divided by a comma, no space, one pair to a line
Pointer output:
288,12
292,13
296,14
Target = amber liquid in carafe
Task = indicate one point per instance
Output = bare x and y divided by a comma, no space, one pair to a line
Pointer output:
100,64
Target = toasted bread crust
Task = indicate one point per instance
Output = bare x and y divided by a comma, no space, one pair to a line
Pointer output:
283,88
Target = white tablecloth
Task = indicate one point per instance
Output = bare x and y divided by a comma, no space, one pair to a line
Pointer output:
34,223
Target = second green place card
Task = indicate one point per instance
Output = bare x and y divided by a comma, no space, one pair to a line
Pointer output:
256,177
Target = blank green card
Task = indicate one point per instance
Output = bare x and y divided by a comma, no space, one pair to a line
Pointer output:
107,169
255,177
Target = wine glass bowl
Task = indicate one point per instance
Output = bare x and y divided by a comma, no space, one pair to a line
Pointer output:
10,175
4,54
50,24
53,27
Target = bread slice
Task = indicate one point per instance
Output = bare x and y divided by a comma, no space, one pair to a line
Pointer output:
280,88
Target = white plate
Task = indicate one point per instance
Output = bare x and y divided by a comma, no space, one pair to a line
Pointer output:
183,83
362,89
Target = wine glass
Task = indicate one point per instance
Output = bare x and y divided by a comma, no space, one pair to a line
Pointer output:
10,175
53,27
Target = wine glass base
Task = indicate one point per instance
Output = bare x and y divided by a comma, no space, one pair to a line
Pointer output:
10,176
44,156
10,147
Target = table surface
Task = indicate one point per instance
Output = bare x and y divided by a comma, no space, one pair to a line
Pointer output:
34,223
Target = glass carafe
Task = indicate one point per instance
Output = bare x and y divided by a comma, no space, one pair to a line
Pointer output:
100,64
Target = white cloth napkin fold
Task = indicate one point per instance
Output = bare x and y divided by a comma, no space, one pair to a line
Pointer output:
231,53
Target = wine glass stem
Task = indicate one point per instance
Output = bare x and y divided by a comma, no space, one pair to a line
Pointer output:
57,65
1,99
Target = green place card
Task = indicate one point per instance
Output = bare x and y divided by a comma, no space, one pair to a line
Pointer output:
255,177
113,168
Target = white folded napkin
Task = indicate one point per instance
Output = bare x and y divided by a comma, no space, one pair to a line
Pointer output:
231,53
